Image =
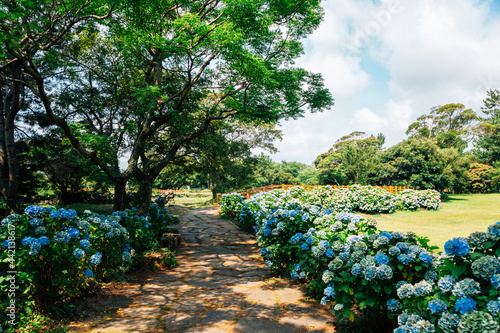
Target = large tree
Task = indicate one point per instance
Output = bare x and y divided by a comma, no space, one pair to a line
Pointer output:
488,144
351,160
184,65
452,125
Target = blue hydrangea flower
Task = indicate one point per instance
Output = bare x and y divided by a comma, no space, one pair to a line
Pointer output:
89,273
310,240
36,222
495,281
7,243
381,259
73,233
294,275
394,251
27,241
95,259
329,291
457,246
324,243
384,272
494,231
436,306
370,272
330,253
406,291
338,307
55,214
404,259
448,321
466,287
386,234
465,304
126,256
267,232
34,210
356,269
446,283
297,268
425,257
423,288
263,251
485,267
78,253
44,240
392,305
304,246
344,256
85,243
34,248
269,263
62,237
493,307
403,247
305,217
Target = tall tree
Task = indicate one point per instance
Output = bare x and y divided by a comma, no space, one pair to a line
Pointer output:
488,144
422,164
451,125
190,63
351,160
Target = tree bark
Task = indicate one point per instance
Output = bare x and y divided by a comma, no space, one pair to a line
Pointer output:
145,193
120,194
12,99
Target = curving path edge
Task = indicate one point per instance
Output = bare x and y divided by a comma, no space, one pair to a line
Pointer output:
220,285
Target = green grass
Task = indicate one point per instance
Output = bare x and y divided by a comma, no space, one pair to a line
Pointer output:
457,217
194,201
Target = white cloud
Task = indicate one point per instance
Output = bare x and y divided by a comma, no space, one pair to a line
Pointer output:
429,53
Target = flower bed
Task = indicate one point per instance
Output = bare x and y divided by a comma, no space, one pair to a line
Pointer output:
359,271
47,256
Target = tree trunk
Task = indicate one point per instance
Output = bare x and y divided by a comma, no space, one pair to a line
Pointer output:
145,193
11,102
120,194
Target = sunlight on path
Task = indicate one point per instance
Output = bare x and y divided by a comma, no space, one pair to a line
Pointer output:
219,286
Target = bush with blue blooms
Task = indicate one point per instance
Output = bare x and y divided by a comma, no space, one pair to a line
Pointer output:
465,295
50,252
313,238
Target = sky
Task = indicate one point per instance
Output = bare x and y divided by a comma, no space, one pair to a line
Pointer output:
388,62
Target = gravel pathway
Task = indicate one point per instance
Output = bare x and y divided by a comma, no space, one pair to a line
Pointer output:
219,286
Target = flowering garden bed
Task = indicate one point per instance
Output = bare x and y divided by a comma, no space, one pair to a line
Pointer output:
363,272
51,256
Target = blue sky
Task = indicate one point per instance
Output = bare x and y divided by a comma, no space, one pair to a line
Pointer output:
388,62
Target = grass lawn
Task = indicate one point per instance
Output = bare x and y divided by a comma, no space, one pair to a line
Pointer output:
457,217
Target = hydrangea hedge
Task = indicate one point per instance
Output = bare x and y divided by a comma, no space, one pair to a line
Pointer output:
359,270
47,256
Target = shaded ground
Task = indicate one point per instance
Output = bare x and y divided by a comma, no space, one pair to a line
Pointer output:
220,285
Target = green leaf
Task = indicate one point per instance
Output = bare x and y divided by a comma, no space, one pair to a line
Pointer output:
458,270
475,255
487,245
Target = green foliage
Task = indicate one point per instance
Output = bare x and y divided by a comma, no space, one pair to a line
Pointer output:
421,164
451,125
488,143
352,160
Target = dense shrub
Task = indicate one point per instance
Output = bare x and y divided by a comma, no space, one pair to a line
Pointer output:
465,295
360,271
49,256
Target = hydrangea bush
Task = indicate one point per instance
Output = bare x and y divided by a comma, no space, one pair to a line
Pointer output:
350,265
48,255
465,295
